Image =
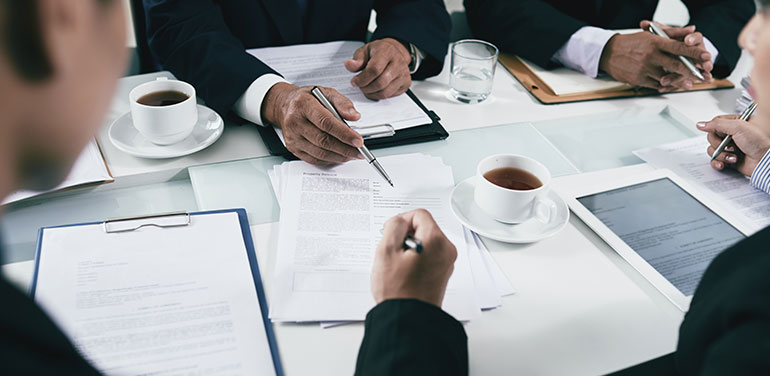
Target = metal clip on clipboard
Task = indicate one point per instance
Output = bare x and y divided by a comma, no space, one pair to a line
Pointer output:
375,131
167,220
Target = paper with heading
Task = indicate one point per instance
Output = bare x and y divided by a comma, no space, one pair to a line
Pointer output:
565,81
157,301
324,65
330,227
88,168
688,159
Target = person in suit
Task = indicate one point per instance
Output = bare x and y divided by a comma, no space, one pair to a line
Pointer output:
725,332
59,64
581,35
204,42
751,139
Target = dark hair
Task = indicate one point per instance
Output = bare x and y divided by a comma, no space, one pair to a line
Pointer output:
24,41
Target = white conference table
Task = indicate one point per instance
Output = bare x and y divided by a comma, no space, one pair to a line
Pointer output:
579,309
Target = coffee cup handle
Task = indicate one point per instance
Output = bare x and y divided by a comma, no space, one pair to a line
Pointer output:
544,209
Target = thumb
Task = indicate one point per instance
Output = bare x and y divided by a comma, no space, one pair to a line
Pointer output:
343,105
396,229
359,60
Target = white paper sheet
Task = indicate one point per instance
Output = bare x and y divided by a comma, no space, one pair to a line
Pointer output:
157,301
330,226
565,81
323,65
689,160
89,168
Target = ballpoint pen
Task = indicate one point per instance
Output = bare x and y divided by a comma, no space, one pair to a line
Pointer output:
318,94
745,115
411,243
655,29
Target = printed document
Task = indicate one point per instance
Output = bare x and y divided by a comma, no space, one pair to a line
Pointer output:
324,65
689,160
331,221
157,301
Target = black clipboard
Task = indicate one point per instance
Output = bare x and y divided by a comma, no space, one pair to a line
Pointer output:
421,133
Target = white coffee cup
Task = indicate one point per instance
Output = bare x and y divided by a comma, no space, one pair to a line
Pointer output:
164,125
509,205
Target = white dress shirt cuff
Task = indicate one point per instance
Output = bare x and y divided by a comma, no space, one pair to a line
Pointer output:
583,50
712,49
760,178
249,105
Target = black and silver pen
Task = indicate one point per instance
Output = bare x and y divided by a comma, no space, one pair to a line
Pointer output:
745,115
318,94
657,30
411,243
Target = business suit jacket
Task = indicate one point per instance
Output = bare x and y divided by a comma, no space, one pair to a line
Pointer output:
726,331
204,41
537,29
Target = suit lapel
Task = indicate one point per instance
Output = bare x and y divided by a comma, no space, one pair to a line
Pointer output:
285,15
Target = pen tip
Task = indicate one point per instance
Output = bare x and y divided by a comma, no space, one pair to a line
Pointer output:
391,184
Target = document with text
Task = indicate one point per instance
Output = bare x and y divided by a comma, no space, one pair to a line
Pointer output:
324,65
331,221
160,301
688,159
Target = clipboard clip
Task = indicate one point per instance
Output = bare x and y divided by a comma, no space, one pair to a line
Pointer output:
375,131
129,224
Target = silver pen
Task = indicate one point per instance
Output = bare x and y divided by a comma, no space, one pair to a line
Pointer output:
745,115
318,94
655,29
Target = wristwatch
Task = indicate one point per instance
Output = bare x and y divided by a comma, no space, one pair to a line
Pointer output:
417,57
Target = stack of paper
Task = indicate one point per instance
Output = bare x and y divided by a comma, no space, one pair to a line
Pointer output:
331,221
689,160
745,100
324,65
89,168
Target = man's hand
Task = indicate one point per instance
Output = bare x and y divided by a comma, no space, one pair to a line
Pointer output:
750,143
384,69
647,60
311,132
400,274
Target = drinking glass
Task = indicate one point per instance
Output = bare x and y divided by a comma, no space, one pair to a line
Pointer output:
472,70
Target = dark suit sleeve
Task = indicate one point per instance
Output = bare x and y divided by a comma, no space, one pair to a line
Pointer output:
532,29
721,21
424,23
410,337
190,39
727,329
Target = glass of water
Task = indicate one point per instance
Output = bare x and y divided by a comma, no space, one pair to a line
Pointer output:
472,70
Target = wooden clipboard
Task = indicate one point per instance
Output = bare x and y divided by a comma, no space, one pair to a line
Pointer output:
540,90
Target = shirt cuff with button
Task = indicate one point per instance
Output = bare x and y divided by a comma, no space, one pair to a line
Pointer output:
249,105
760,178
583,50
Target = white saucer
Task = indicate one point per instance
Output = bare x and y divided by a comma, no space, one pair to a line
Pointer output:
465,209
126,138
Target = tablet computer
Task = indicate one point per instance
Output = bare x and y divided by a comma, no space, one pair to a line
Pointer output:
661,225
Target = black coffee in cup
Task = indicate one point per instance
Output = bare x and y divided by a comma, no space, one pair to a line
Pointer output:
513,178
163,98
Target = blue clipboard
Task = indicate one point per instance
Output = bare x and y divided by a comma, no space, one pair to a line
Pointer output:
247,240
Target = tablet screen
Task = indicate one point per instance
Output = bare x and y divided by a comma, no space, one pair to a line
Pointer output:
667,227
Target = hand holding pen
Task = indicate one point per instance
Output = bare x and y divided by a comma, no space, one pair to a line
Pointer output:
750,142
400,273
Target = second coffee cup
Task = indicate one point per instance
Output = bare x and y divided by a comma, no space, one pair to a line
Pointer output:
513,189
164,111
